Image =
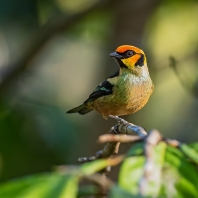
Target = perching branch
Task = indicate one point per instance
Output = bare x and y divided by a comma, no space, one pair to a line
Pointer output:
152,169
124,132
112,147
125,127
118,138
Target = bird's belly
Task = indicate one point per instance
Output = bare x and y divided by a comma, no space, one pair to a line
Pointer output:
123,102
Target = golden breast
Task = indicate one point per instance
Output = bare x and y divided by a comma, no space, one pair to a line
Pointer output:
130,95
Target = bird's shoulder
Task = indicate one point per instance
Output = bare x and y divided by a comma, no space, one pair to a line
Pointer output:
104,88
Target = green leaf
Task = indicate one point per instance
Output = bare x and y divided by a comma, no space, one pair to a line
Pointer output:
97,165
180,176
44,185
116,192
194,146
88,191
50,185
67,187
15,187
132,171
189,152
94,166
136,149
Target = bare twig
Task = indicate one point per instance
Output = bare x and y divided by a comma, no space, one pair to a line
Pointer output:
173,143
113,161
98,179
111,148
103,182
131,129
185,81
118,138
173,64
124,127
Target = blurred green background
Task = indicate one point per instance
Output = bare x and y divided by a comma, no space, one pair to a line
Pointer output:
35,132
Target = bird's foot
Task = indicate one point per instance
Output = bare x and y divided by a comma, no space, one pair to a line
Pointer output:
123,121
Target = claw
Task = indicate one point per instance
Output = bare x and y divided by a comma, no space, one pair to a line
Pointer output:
123,121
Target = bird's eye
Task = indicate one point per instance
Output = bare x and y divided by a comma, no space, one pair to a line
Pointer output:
129,53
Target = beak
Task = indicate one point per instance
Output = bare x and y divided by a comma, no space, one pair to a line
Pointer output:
115,55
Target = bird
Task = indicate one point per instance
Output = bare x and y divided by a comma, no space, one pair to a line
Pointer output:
126,91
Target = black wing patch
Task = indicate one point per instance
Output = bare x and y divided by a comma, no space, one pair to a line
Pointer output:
105,88
140,61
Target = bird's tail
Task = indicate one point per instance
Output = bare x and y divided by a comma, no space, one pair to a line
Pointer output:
82,109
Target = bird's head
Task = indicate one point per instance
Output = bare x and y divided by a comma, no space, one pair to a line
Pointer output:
132,58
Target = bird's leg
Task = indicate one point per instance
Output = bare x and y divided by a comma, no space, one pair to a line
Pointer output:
118,119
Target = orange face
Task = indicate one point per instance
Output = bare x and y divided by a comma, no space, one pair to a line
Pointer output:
131,56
